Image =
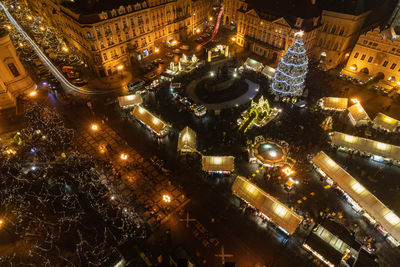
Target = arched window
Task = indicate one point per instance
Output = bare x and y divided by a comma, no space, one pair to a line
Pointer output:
335,47
333,29
13,69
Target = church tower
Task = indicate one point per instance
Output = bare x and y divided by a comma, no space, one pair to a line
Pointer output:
14,79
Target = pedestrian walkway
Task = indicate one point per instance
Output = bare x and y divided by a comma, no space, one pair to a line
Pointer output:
137,181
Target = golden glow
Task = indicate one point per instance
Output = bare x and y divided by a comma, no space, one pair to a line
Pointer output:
331,162
233,39
20,44
389,120
94,127
102,149
8,27
251,188
174,42
156,121
299,33
358,187
33,93
129,97
41,28
141,110
288,171
29,17
355,100
280,210
210,18
156,49
186,137
166,198
352,68
1,222
124,156
120,67
349,138
392,218
381,146
10,151
217,160
398,83
198,30
65,49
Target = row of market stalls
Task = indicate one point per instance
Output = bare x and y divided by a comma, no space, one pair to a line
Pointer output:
357,114
377,150
254,65
267,206
153,123
360,199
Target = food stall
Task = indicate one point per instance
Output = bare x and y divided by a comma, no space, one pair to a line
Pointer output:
267,206
128,101
333,103
360,199
218,164
153,123
386,123
187,141
357,115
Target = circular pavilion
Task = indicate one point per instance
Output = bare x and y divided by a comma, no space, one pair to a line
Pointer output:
270,153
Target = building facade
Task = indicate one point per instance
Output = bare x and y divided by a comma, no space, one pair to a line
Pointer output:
230,11
14,80
376,56
270,35
125,34
337,36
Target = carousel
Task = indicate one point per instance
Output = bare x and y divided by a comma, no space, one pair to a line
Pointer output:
269,153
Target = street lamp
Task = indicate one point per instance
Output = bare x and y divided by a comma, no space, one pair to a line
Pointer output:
124,156
198,30
8,27
166,198
29,17
94,127
156,49
233,39
33,93
65,49
41,28
210,18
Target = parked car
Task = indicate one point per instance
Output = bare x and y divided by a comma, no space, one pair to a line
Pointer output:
150,76
135,85
79,82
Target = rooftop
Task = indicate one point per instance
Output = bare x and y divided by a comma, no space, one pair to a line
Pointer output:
86,7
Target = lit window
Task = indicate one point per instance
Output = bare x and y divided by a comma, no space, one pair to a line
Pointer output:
13,69
385,63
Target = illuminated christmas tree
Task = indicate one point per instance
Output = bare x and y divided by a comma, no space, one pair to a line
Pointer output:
291,71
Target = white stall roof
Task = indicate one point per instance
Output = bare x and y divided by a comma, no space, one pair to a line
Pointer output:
338,103
358,113
373,206
386,122
366,145
268,205
154,123
253,64
130,100
218,163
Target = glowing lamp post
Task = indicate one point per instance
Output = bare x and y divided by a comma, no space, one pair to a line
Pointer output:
166,198
33,93
94,127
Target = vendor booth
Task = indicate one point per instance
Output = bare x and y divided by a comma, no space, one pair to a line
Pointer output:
379,151
386,123
127,101
357,115
268,207
333,103
252,64
360,199
268,72
218,164
155,124
187,141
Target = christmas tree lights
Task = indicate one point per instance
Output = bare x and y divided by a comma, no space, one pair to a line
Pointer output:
291,71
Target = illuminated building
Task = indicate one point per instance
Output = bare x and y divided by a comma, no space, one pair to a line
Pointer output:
14,80
109,34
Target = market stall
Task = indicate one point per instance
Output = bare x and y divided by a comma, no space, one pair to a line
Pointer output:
357,115
385,122
269,153
155,124
187,141
333,103
127,101
253,64
361,77
220,164
378,150
359,197
269,72
269,207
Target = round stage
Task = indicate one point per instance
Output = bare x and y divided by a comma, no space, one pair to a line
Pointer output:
270,153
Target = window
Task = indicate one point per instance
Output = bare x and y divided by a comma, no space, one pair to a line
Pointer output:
356,55
122,50
89,35
362,57
385,63
365,42
393,66
105,56
13,69
370,59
